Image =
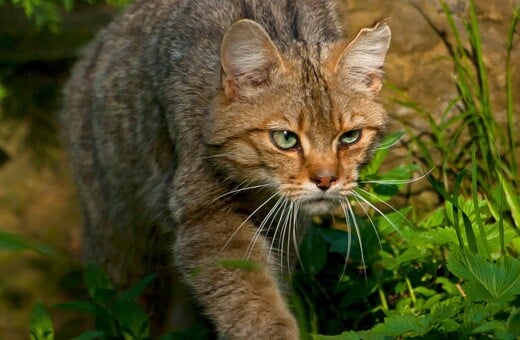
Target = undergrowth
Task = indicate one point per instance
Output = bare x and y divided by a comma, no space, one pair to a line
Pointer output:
454,273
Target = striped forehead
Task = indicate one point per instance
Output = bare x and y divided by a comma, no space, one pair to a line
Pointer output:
318,118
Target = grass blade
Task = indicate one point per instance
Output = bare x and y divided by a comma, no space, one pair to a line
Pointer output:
509,94
474,193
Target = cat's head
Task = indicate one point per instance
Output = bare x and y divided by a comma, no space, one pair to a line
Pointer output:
302,120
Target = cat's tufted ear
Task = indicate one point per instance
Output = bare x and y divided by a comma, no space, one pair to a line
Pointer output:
248,58
360,64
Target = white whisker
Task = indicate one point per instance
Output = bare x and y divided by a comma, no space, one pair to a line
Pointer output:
358,232
349,236
216,156
237,190
378,211
262,225
385,203
388,146
294,236
273,239
371,221
285,234
398,181
247,219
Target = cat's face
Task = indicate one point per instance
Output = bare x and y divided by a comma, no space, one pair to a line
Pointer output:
302,123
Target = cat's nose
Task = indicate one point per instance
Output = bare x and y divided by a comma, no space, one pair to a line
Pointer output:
324,181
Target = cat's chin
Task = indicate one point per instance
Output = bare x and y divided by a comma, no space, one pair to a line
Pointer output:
318,206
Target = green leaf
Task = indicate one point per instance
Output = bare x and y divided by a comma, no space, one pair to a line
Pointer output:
40,324
488,327
9,241
450,325
243,264
391,139
486,281
435,219
104,297
313,251
137,288
393,222
446,310
448,286
477,313
468,227
409,255
389,190
511,199
349,335
406,325
374,164
96,280
513,323
476,203
133,321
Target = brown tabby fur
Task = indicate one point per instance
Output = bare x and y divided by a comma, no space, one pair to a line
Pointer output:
172,107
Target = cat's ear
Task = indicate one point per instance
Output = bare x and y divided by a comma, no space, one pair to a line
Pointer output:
360,64
248,57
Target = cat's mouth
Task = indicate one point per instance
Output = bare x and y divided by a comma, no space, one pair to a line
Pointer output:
318,205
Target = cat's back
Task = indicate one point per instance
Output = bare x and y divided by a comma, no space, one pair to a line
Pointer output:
161,57
151,75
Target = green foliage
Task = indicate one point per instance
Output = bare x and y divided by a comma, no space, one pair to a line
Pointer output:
117,314
40,324
469,123
30,89
47,13
455,273
12,242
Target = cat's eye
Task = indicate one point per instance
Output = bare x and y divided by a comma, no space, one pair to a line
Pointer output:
350,137
285,140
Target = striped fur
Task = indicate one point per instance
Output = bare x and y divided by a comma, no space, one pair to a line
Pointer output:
171,108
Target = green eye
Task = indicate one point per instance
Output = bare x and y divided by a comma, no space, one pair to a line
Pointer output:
284,140
350,137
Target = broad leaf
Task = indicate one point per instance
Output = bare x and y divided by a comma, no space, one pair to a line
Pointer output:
40,326
485,280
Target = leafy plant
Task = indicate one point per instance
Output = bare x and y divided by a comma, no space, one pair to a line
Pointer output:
47,13
469,123
40,326
14,242
453,274
117,314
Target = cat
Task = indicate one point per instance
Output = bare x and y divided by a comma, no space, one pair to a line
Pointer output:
202,133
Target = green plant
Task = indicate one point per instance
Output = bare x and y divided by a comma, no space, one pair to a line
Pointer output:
14,242
117,314
453,274
47,13
469,123
30,82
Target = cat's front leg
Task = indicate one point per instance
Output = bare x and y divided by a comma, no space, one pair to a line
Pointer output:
239,292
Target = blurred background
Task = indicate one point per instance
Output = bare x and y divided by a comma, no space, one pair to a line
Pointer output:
41,39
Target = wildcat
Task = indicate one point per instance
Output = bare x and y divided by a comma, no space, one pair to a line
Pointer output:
203,132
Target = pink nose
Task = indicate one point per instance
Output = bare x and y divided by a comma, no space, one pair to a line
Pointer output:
324,181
